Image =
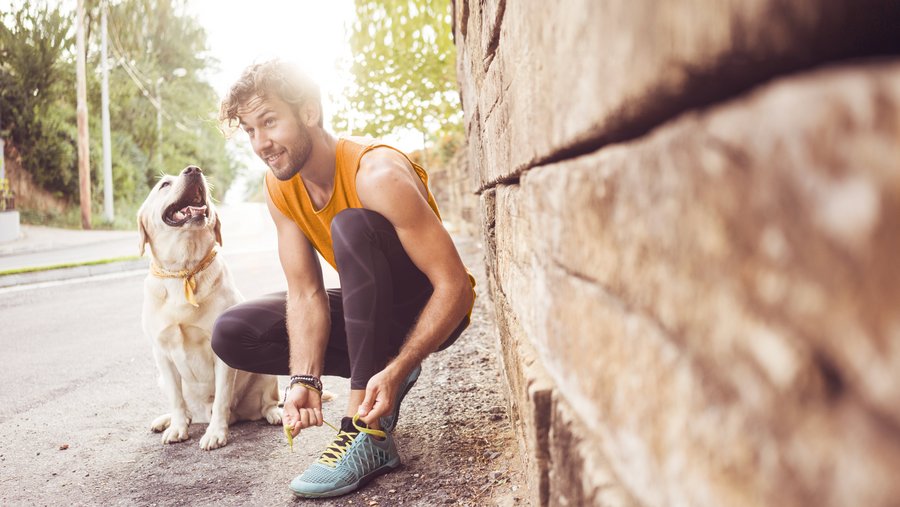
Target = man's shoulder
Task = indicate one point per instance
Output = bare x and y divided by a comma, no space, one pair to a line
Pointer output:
362,140
370,147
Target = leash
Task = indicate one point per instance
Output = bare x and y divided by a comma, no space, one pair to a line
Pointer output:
190,284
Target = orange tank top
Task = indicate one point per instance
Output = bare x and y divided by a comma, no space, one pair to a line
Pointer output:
291,198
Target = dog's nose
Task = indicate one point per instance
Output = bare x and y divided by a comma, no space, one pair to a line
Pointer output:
192,169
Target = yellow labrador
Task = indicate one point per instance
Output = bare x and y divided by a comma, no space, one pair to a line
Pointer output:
186,290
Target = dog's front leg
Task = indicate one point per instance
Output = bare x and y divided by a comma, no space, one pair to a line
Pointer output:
178,420
217,432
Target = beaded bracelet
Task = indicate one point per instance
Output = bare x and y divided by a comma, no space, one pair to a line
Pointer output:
310,380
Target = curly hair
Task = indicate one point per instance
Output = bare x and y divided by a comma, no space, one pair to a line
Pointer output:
271,78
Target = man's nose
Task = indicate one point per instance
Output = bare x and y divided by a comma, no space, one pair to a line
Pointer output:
261,141
191,169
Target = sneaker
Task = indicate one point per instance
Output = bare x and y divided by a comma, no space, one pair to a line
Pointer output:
389,422
356,456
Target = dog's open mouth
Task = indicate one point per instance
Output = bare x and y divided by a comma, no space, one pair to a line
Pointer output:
191,207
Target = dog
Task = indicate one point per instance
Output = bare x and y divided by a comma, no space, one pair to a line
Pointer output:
187,288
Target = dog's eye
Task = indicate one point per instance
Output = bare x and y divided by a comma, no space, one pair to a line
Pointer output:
165,184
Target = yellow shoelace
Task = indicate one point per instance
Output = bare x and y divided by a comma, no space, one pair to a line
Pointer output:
339,446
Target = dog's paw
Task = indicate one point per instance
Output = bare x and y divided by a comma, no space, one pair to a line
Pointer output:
327,395
160,423
175,433
273,415
214,438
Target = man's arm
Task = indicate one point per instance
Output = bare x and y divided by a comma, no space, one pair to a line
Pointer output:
308,313
387,184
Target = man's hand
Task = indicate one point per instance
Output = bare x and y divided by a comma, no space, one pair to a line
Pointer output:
381,391
302,409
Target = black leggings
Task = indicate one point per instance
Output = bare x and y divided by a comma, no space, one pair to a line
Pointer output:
382,293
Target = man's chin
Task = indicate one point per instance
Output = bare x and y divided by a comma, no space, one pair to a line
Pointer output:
283,174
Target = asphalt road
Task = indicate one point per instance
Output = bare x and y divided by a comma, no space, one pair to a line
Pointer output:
78,391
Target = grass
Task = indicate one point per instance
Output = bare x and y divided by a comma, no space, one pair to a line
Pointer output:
123,219
19,271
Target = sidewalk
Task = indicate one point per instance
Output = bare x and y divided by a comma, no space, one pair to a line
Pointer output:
245,227
40,246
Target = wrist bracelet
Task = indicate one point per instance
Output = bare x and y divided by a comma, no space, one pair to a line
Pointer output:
309,380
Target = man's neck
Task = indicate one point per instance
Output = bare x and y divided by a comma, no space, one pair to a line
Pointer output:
318,171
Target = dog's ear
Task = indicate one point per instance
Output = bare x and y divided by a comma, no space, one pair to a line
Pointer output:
142,230
217,229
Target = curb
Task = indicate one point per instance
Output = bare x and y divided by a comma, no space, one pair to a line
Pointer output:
53,275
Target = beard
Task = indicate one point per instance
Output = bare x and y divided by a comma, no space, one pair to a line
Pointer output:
294,157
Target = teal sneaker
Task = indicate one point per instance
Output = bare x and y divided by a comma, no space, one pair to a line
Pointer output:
389,422
356,456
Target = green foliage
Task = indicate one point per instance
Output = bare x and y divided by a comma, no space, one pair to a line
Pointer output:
36,75
403,68
157,55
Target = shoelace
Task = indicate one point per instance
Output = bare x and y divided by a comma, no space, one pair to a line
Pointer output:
334,452
337,443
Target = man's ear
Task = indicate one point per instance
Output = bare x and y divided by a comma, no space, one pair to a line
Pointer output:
217,229
142,230
310,112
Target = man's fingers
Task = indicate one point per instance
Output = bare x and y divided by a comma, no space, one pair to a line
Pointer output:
290,413
368,401
380,408
319,418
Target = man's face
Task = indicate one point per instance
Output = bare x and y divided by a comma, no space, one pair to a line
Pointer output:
276,134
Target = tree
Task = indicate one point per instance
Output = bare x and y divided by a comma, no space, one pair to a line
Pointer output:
36,74
403,69
158,54
157,48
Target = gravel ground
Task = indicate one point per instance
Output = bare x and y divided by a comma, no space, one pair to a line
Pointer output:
84,440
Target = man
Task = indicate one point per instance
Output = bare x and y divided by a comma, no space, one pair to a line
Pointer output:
366,208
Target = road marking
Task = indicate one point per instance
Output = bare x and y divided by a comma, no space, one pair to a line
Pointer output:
70,281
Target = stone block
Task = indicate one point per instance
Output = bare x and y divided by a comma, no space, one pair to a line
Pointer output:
579,474
541,81
719,298
530,398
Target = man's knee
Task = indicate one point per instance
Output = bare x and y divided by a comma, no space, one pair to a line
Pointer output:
226,339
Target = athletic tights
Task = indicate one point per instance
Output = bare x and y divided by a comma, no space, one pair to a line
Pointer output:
382,293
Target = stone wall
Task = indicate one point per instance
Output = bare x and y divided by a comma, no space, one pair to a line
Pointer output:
451,185
691,213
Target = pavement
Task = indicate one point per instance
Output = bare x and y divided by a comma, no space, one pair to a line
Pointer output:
80,391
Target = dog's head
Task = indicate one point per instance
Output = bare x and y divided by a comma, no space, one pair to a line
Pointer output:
179,206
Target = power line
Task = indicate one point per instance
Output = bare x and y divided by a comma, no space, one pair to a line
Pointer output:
133,73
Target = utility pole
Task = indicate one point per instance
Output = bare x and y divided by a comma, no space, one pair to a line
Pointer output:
107,144
84,167
159,164
2,148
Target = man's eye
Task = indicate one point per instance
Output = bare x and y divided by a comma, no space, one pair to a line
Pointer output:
165,184
249,132
270,122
